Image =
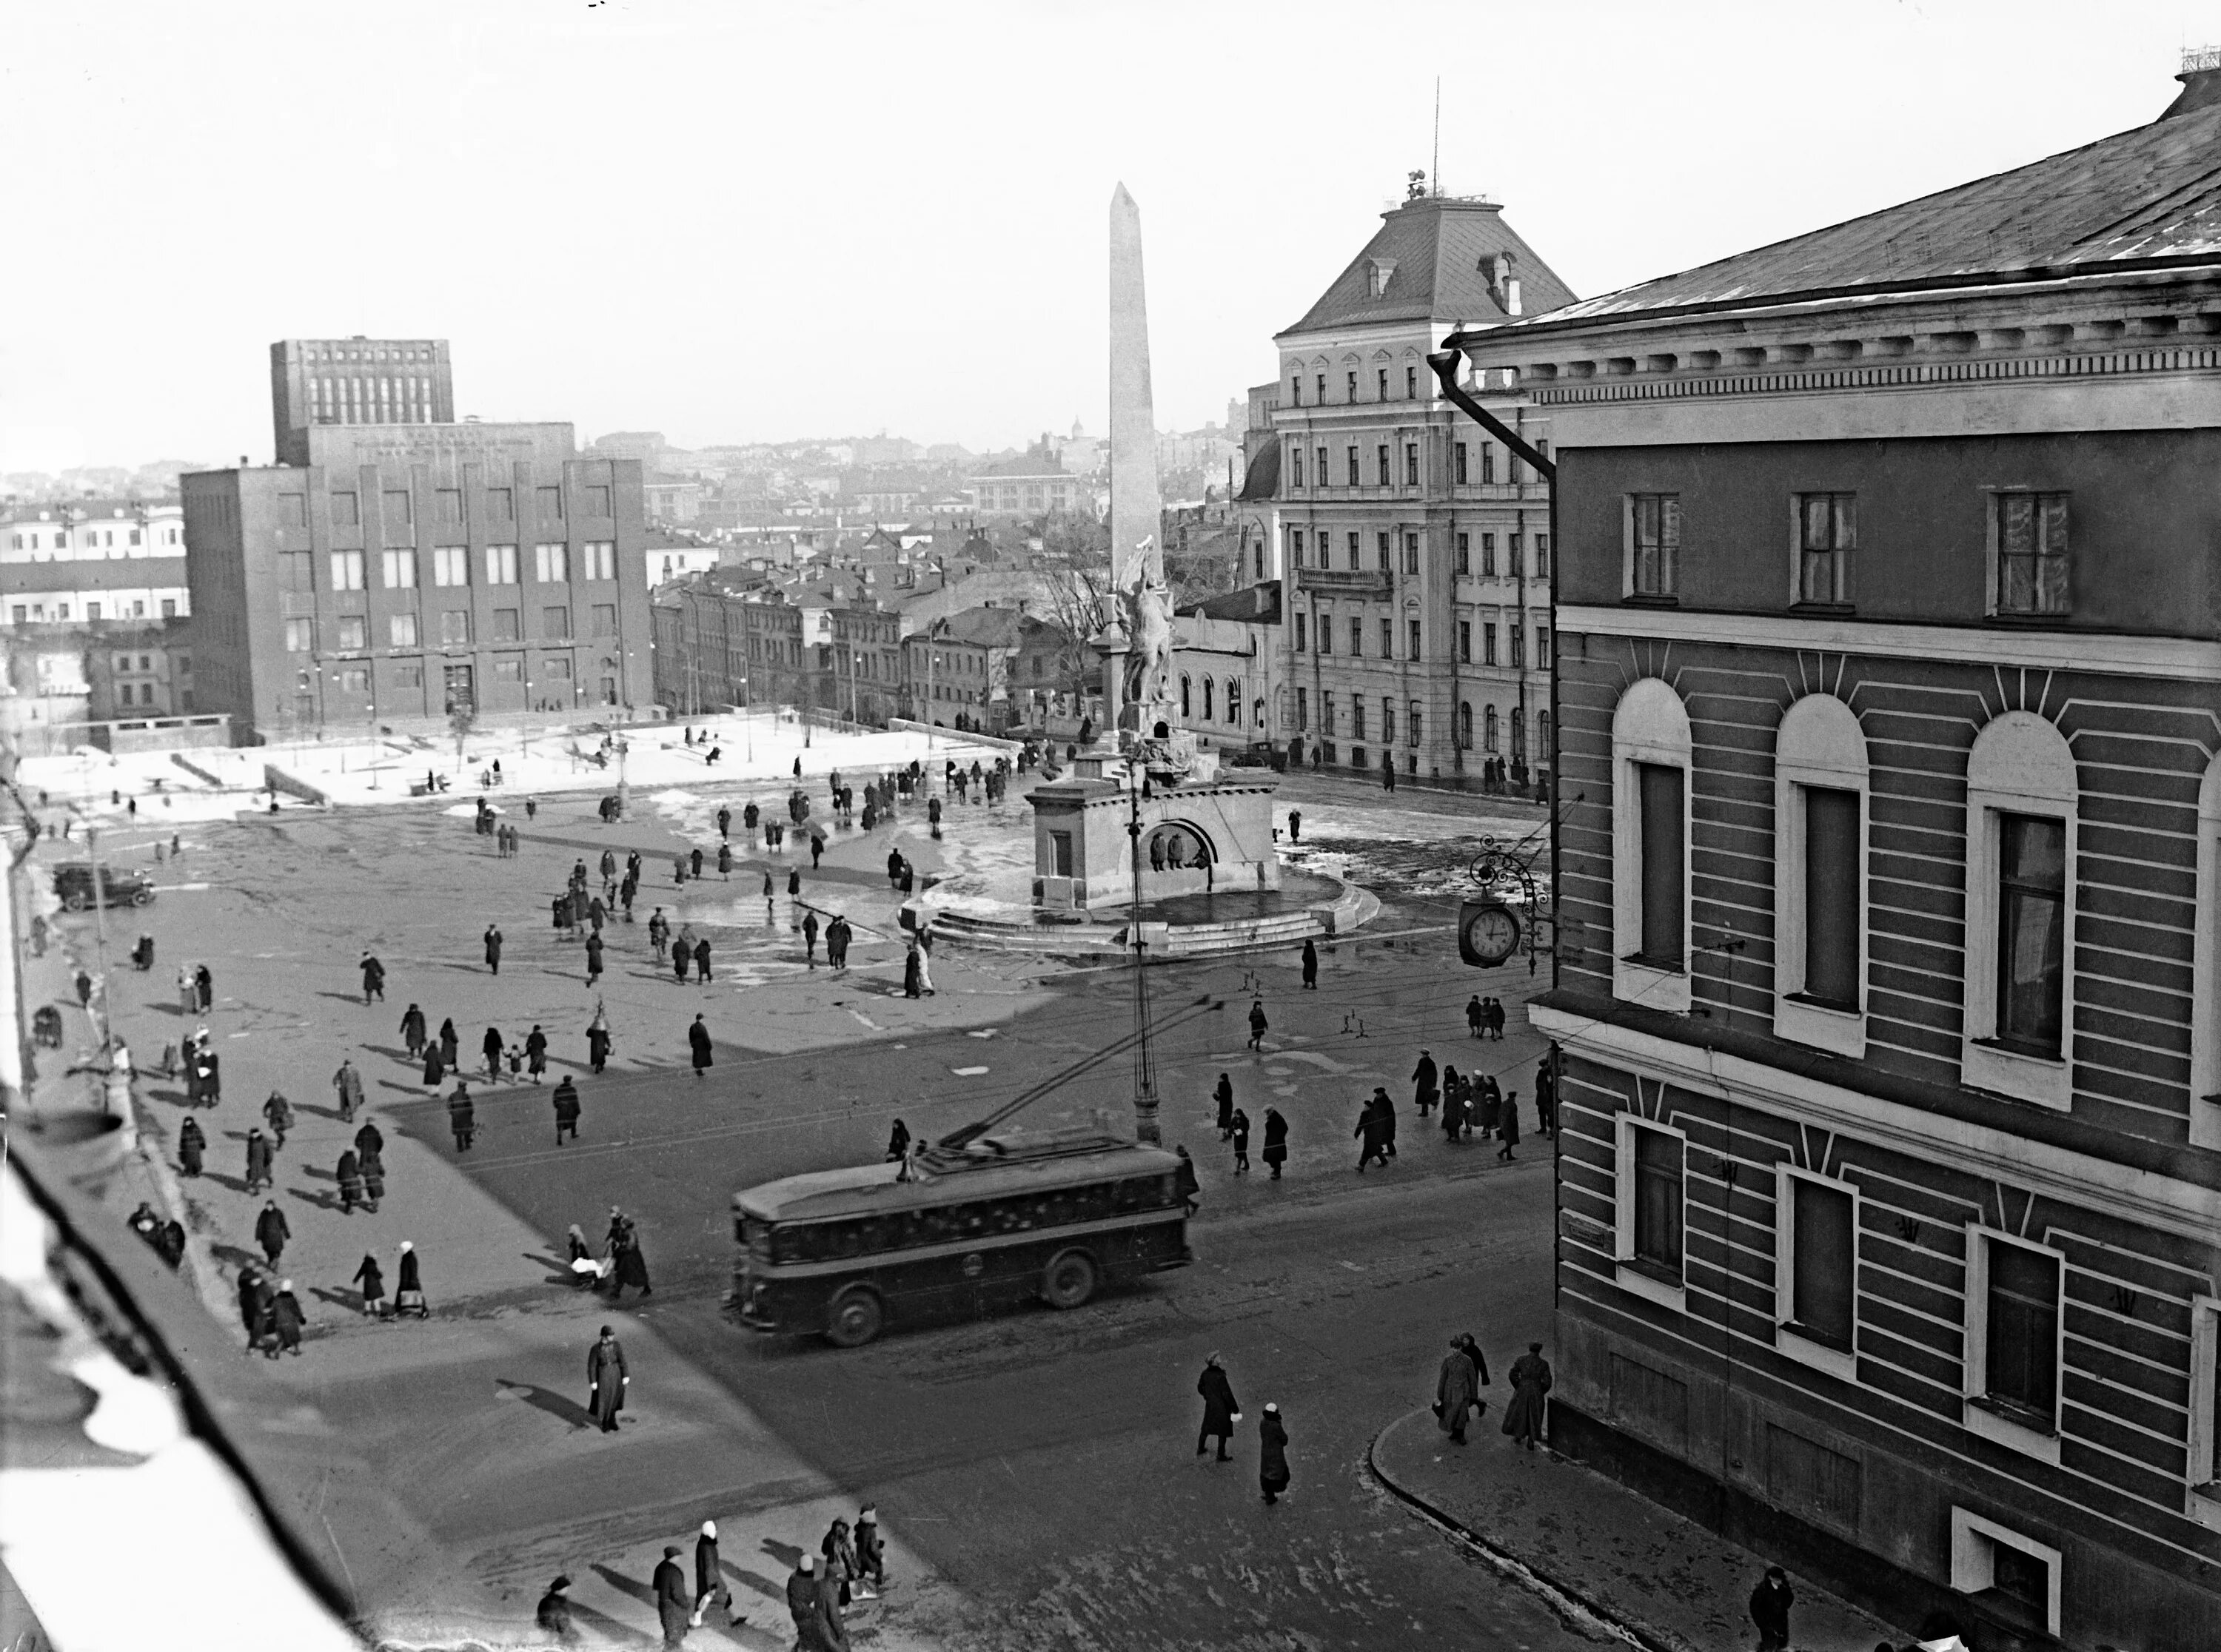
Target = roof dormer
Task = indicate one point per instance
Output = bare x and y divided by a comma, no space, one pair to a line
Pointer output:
1378,272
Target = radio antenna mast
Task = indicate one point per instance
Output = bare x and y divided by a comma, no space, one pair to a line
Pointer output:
1437,175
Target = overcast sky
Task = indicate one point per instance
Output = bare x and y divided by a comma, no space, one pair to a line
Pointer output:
737,223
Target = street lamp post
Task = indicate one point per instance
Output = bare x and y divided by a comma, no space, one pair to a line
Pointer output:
1145,1067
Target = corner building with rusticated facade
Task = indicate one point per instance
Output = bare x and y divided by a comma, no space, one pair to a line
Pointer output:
1888,990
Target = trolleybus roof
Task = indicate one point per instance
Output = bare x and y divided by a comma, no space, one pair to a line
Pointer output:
1019,1162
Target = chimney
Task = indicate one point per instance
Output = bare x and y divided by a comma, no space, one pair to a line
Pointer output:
2201,82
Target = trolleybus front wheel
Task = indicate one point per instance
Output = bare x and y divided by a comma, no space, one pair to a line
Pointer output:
1069,1280
855,1318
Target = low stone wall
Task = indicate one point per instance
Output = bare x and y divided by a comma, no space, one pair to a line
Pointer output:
1097,940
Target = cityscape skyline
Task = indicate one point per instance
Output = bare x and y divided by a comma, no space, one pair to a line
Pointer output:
694,248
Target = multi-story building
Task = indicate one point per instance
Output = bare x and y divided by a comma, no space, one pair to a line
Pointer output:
141,670
1033,484
962,667
1226,657
356,381
1888,979
1414,549
410,572
701,634
74,561
673,499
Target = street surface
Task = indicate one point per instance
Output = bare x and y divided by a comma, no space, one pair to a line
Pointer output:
1034,1473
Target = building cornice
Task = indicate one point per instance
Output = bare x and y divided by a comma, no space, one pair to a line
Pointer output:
2164,1203
2176,659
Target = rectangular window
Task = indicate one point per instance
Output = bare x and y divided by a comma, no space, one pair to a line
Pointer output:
1488,462
1303,710
1822,1262
601,558
1380,550
398,569
1542,648
1356,717
1827,532
507,626
1412,640
1352,469
509,668
401,630
394,506
555,670
1356,558
1465,553
356,679
1488,556
1515,555
1295,467
501,504
1326,634
1656,1197
346,570
451,565
605,620
449,505
597,499
1541,556
455,625
92,610
1517,636
355,631
347,510
556,622
2031,932
501,564
1411,384
1301,628
1380,459
2020,1366
548,502
1295,547
1388,721
2031,530
408,676
552,564
1412,722
1410,553
300,636
1487,644
1654,536
1411,463
1465,642
1833,885
1323,479
1356,636
1659,827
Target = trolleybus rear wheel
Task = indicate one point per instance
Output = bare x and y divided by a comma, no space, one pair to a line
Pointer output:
1069,1280
855,1319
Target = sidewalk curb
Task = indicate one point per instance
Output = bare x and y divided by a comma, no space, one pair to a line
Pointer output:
200,1261
1566,1599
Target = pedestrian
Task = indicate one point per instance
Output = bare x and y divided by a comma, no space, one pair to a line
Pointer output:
203,987
277,1113
258,1161
1240,1132
803,1607
767,895
925,962
1769,1609
871,1552
1371,1145
189,995
1388,772
491,1046
374,979
1426,1084
629,1261
250,1305
1257,1026
1310,965
599,1039
348,1083
1455,1102
1295,825
593,959
836,942
171,1246
451,1043
535,1052
1386,1110
1273,1452
1496,1019
271,1231
658,932
897,1143
412,1031
85,994
810,938
710,1584
373,1287
682,957
1530,1383
1224,1096
702,959
373,1176
672,1609
192,1143
462,1116
1546,1098
567,1110
1457,1390
286,1321
349,1177
409,1285
1221,1411
435,1066
698,1041
1476,1017
694,864
553,1613
493,949
1510,1130
1184,1180
1276,1140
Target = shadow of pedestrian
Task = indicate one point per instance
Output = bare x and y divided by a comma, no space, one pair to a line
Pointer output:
560,1274
321,1198
344,998
553,1403
233,1255
607,1630
616,1579
237,1184
351,1300
785,1554
167,1007
173,1097
763,1585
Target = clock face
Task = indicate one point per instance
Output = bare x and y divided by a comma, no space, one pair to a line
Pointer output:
1492,933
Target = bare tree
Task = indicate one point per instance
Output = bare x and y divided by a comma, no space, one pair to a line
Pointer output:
462,720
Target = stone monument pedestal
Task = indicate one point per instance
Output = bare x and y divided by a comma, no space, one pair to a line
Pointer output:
1214,837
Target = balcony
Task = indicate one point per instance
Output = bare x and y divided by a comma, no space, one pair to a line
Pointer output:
1346,581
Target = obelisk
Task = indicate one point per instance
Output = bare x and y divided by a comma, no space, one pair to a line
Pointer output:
1137,568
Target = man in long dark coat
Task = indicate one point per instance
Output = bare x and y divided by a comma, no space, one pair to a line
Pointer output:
606,1378
1546,1098
491,1047
1370,1146
462,1116
670,1605
451,1043
1276,1141
1272,1454
258,1161
697,1040
1457,1390
412,1031
630,1260
1511,1129
1220,1408
286,1321
373,978
535,1052
1310,965
349,1177
192,1143
493,948
1426,1084
702,959
710,1584
1387,1112
348,1084
409,1285
1530,1382
567,1110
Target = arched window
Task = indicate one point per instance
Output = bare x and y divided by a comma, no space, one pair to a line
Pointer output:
1465,725
1206,700
1184,693
1650,752
1543,749
2022,789
1234,700
1819,875
1258,708
1488,734
1412,738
